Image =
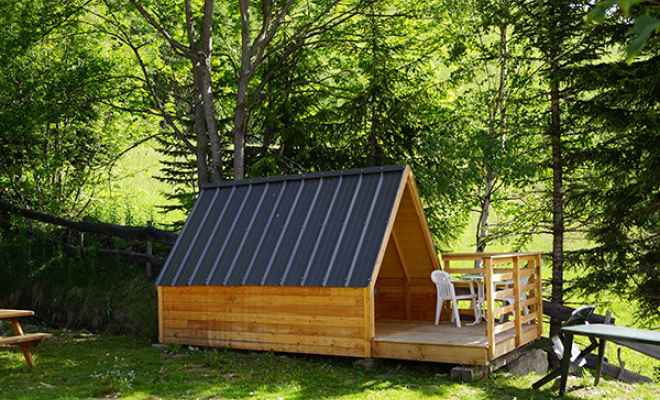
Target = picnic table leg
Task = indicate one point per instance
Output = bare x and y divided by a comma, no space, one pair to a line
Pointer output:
16,326
599,362
550,376
28,356
565,362
18,331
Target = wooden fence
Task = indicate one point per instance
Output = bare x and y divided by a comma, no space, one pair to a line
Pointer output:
147,234
496,269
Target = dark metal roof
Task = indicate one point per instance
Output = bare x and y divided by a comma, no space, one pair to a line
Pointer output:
317,229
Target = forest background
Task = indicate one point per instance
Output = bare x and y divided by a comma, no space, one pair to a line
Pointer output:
532,117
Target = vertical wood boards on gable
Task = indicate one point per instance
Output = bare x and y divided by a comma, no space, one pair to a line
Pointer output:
414,236
403,288
328,321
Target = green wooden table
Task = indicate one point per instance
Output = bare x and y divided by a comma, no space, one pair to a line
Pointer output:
600,333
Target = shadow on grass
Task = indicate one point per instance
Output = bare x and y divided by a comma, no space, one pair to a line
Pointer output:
72,366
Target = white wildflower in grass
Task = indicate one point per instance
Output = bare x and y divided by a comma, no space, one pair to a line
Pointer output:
114,380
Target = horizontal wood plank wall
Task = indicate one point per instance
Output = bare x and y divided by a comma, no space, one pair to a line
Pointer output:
290,319
423,298
390,292
467,355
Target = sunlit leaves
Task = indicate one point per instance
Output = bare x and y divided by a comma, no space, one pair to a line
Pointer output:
645,26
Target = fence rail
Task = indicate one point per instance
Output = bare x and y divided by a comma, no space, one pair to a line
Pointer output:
147,234
496,269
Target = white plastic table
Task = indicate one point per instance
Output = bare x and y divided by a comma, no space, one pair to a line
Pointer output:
479,280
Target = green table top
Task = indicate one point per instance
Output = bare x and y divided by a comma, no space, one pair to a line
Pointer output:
613,332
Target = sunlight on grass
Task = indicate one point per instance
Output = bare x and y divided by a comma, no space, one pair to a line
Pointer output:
133,195
68,366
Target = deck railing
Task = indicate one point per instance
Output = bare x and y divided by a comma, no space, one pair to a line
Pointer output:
497,269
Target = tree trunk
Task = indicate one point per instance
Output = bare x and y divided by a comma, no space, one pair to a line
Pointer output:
373,140
557,200
204,109
200,133
498,116
199,54
241,114
555,133
206,39
484,217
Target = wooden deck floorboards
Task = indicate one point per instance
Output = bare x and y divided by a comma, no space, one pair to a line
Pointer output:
425,341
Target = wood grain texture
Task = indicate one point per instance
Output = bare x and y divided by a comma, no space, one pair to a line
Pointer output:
319,320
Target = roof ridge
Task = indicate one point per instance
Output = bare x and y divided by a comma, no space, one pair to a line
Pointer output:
308,175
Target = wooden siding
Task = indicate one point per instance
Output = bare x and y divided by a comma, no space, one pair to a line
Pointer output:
328,321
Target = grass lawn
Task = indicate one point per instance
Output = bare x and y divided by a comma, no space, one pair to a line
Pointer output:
84,366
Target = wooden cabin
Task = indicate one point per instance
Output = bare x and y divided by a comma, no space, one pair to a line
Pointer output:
333,263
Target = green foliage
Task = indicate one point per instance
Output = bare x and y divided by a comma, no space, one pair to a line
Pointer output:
54,125
645,25
496,101
177,170
367,93
620,191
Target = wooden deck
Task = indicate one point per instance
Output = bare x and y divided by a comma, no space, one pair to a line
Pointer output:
444,343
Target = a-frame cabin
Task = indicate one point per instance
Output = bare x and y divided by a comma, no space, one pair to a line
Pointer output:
315,263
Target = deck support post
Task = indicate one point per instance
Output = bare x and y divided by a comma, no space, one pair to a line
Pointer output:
369,320
160,315
369,364
469,373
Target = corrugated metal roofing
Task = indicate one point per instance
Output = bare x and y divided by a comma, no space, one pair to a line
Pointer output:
317,229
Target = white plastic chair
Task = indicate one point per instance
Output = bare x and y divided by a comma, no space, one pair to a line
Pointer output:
445,285
511,300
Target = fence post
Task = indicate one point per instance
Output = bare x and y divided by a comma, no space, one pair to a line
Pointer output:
149,252
490,304
516,300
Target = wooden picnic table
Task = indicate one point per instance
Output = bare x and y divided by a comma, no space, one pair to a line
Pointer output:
24,340
599,335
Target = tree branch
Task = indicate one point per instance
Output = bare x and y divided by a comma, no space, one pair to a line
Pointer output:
173,43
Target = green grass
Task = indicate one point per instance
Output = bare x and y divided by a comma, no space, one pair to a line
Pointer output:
77,366
133,195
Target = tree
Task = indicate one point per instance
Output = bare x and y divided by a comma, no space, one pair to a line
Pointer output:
198,50
54,142
274,29
558,42
620,161
494,81
367,94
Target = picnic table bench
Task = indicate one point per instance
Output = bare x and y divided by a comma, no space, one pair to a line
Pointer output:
25,341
